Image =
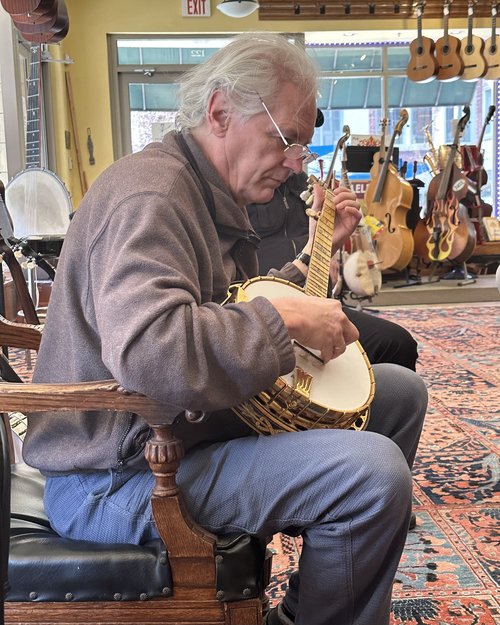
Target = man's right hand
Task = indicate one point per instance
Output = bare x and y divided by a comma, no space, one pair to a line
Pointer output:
318,323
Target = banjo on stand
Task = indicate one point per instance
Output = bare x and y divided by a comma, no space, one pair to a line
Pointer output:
37,200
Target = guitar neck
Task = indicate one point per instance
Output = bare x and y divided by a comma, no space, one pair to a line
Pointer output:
319,266
469,30
419,30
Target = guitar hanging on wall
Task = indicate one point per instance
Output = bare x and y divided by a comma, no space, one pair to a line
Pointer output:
450,64
38,201
422,66
492,49
471,51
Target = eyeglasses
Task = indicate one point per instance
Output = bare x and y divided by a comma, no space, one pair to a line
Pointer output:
295,151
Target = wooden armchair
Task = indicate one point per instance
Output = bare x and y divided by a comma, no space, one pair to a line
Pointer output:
189,577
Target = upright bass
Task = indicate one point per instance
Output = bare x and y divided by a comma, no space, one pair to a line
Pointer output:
388,198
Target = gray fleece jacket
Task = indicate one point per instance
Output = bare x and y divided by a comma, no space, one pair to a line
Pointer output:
137,298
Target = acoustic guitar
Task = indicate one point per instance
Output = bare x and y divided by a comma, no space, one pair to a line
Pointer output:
50,31
450,64
30,10
492,49
422,66
471,51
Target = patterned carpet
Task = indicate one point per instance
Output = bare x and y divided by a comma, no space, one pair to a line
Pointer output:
450,569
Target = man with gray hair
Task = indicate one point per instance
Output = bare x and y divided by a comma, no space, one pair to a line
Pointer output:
145,267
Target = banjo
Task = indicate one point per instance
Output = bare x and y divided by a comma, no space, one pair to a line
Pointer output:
336,394
37,200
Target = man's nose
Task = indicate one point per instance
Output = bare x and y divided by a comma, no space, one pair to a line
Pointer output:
295,164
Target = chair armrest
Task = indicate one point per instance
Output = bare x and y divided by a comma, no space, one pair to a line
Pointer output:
191,549
21,335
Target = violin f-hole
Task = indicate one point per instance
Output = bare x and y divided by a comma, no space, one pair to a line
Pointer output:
390,227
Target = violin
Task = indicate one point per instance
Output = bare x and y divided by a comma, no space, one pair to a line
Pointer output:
434,235
388,198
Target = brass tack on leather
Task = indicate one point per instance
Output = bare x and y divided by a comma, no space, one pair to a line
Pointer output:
218,559
166,591
143,596
247,592
220,594
195,416
69,596
117,596
33,595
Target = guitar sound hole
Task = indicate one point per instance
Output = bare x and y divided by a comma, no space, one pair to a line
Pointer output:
493,50
469,49
446,49
420,51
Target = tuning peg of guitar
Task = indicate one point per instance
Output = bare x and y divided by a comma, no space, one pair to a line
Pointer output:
17,253
305,195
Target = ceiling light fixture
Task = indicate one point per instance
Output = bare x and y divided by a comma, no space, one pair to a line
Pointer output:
238,8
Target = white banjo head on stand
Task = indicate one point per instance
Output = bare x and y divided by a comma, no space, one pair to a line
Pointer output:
38,203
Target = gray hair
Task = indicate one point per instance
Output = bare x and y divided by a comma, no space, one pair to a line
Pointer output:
252,65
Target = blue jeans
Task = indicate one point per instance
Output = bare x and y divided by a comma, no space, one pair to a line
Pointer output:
347,493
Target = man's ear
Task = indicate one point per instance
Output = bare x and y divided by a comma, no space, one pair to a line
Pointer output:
217,113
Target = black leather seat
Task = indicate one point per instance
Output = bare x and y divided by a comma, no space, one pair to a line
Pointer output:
199,579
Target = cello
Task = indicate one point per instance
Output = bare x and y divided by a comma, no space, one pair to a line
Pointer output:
434,235
473,159
388,198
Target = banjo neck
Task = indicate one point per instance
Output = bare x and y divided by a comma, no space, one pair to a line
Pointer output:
34,109
317,279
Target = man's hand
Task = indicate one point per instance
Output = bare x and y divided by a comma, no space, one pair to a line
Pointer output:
318,323
347,213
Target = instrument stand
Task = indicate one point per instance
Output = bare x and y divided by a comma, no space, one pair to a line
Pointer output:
461,274
411,280
359,299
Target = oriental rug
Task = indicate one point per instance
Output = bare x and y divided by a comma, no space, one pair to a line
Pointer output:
449,573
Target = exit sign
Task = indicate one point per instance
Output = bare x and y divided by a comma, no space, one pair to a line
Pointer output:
195,8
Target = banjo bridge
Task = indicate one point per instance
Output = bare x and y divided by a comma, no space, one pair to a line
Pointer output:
302,382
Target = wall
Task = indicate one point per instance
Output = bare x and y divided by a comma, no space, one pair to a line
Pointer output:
86,44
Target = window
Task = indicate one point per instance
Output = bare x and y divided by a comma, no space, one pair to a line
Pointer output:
359,86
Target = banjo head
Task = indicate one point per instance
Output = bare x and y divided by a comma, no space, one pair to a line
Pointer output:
38,203
340,390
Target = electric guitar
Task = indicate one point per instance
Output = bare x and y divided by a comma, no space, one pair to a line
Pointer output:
422,66
492,49
450,64
471,51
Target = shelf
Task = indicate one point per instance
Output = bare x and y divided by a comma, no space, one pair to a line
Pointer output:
365,10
